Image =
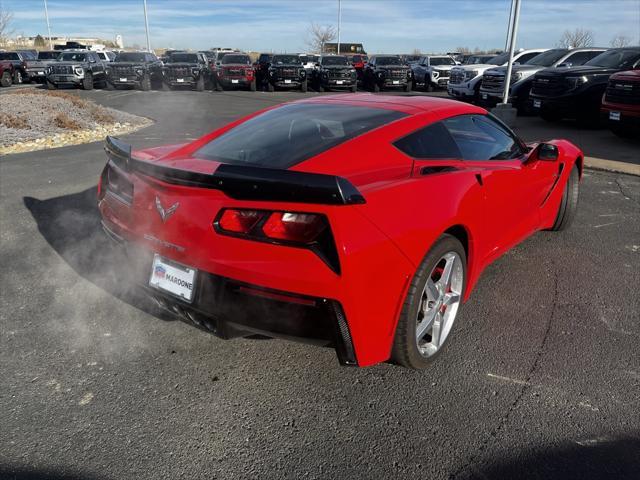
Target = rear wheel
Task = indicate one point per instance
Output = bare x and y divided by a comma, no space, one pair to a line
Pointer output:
87,81
304,87
376,87
569,204
431,305
6,79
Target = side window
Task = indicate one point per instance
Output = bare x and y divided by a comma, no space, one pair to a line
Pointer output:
431,142
527,56
580,58
479,137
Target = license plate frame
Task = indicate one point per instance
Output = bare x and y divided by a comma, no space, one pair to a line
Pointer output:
180,80
161,267
485,96
122,79
339,82
537,104
396,82
287,81
615,116
234,80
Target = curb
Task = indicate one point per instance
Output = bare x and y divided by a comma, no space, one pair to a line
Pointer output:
611,166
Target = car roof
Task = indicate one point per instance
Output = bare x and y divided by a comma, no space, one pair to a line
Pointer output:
412,105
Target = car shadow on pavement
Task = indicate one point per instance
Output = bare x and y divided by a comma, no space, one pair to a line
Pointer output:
601,458
71,225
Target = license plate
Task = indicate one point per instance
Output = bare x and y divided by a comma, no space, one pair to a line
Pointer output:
339,82
287,81
537,104
234,81
173,278
396,82
180,80
123,79
614,116
40,73
485,96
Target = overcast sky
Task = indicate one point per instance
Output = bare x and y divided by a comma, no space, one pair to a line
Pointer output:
281,25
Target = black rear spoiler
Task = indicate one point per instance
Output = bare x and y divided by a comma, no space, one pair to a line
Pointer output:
244,183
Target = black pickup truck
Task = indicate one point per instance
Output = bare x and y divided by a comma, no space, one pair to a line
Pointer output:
334,72
387,71
576,92
141,70
184,69
286,71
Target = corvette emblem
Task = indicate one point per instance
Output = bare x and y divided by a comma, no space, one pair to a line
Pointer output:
165,214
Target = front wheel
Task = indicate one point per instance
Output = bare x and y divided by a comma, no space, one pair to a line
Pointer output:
6,79
17,77
253,86
428,86
431,306
145,83
407,87
87,81
354,88
200,84
51,85
304,87
569,203
376,87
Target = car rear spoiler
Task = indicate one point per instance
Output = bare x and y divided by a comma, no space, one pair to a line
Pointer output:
244,182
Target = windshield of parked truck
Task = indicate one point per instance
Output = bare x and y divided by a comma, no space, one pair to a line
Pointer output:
548,58
48,55
72,57
442,61
286,60
617,58
388,61
335,61
9,56
183,58
236,59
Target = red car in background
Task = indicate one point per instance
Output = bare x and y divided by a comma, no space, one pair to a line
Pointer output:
621,104
235,71
360,222
6,73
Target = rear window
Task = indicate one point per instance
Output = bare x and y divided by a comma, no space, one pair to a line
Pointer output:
9,56
183,58
72,57
288,135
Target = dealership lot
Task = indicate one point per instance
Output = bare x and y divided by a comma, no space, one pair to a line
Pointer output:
542,372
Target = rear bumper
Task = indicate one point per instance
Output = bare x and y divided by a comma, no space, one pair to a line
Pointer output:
461,92
234,82
229,308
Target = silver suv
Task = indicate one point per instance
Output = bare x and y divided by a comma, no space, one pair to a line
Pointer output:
432,71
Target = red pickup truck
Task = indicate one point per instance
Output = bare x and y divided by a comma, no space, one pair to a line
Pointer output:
621,103
6,73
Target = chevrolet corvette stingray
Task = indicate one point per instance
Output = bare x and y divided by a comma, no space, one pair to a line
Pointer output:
359,222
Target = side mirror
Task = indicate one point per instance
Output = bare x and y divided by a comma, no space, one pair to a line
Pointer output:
548,152
565,65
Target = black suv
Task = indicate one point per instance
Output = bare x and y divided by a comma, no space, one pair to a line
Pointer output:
334,72
262,68
576,92
186,70
76,68
387,71
286,71
141,70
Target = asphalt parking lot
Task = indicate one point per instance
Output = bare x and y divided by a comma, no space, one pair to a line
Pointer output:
541,379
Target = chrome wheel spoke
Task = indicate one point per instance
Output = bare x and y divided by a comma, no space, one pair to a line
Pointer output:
426,323
445,279
438,325
451,298
431,290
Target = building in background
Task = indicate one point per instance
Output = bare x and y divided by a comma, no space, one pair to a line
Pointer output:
345,48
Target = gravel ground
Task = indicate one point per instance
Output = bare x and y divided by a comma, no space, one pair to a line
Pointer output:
41,109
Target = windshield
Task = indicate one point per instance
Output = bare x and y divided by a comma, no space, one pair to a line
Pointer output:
9,56
48,55
476,60
130,57
388,61
183,58
243,59
615,58
335,61
548,58
499,59
286,60
288,135
442,61
210,55
72,57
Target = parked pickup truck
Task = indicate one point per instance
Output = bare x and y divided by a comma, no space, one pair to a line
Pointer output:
492,84
334,72
621,104
432,71
287,71
6,73
576,92
464,80
141,70
236,71
387,71
18,61
185,69
76,68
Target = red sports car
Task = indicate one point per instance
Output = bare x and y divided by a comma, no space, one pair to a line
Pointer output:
359,222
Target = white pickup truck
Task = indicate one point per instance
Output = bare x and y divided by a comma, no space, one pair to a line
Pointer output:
464,80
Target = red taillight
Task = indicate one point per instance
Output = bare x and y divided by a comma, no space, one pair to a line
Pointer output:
240,221
294,227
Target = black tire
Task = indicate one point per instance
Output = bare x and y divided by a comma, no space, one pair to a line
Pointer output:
253,86
428,86
200,84
376,87
321,88
145,83
87,81
109,85
405,346
407,87
17,77
354,88
6,79
219,87
569,203
51,85
165,87
270,87
304,87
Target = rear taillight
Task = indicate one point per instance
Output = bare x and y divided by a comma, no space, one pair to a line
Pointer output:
116,183
296,229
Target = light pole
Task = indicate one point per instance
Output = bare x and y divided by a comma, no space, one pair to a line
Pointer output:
339,22
508,39
146,25
512,47
46,15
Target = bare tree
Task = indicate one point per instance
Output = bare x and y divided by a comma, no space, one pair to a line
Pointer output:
318,36
463,50
580,37
5,25
619,41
